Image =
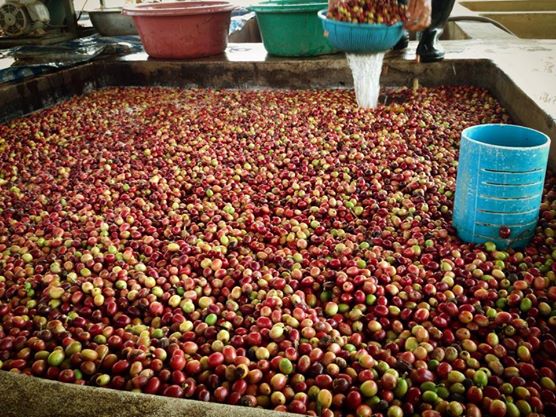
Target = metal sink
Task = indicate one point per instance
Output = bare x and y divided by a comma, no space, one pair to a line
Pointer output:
527,25
510,5
527,19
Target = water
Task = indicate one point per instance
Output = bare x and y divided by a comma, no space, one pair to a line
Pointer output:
366,69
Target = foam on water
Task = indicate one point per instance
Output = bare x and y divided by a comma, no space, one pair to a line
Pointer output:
366,69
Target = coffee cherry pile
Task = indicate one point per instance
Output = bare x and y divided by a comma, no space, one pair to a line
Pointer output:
367,11
277,249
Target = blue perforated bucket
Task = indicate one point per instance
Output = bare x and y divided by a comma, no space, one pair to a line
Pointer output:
499,184
360,37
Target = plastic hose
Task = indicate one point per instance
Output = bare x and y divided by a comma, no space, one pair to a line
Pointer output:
482,19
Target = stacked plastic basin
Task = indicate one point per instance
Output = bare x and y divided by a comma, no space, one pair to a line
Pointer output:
178,30
292,28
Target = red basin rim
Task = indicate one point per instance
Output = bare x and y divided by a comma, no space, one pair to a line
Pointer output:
178,8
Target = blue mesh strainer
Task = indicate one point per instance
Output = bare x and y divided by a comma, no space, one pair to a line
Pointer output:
360,37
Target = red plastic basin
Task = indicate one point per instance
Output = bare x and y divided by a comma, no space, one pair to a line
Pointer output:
184,29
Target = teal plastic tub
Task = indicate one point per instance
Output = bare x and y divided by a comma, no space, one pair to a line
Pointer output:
292,29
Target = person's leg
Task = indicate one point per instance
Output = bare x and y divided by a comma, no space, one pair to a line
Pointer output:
403,42
428,48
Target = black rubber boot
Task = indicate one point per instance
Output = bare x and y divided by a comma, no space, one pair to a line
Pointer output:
403,42
428,49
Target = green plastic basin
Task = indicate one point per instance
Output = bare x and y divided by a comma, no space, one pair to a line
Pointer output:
292,29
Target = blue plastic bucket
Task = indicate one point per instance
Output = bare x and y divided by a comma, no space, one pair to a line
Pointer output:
499,184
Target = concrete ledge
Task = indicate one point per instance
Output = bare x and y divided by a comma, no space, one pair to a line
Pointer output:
24,396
